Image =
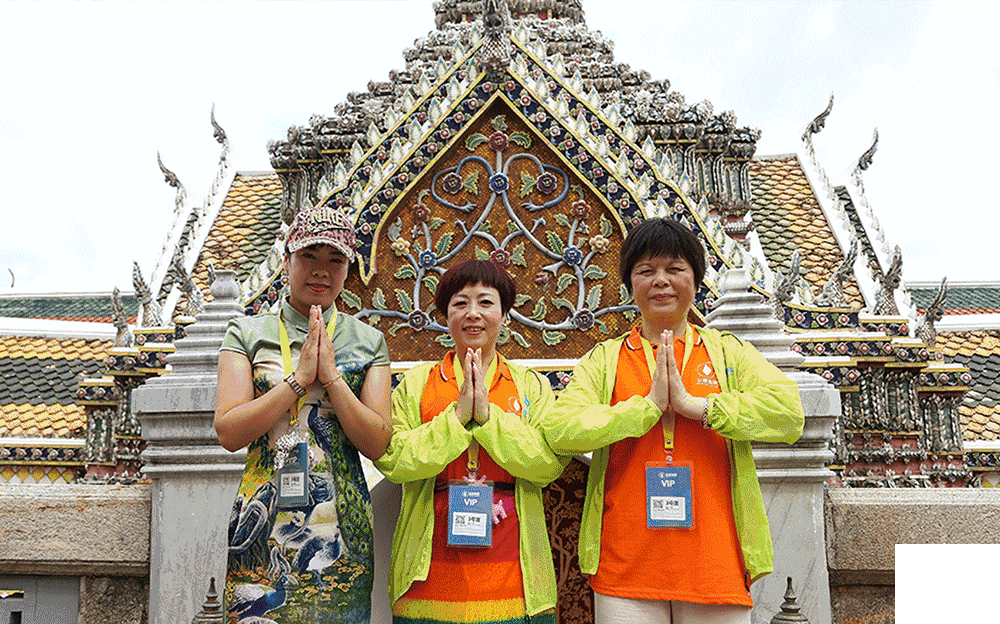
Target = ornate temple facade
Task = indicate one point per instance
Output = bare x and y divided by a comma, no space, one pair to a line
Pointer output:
513,134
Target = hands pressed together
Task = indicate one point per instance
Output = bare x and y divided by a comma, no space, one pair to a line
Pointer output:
317,360
667,390
473,397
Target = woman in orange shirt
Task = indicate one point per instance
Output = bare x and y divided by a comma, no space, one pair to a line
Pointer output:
470,418
674,528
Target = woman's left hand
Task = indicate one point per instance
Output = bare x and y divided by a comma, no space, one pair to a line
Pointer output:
481,402
326,366
681,400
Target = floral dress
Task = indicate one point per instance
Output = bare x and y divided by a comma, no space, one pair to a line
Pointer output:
314,562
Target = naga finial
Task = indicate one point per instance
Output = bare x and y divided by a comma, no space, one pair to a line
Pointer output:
832,295
885,299
218,133
866,159
123,338
818,122
170,178
195,298
935,312
150,309
785,286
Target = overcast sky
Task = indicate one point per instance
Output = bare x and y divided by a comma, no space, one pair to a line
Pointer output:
91,91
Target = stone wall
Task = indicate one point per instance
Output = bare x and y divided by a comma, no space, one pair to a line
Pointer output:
863,527
99,534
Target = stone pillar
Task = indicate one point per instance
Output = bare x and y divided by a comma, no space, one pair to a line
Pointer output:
100,399
791,476
194,478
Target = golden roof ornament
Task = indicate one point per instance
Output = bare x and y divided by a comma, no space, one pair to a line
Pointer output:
211,610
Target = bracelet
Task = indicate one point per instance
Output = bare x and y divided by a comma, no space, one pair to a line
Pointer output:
332,381
299,390
704,416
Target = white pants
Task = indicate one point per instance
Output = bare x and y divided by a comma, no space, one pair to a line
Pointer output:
614,610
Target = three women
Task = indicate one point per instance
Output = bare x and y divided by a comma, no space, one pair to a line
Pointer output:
666,400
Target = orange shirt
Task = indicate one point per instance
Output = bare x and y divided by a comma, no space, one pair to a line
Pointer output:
469,584
442,390
702,564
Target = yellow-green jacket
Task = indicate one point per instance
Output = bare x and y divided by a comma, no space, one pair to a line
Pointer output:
419,451
756,402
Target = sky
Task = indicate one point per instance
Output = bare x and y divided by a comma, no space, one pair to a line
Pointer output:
92,91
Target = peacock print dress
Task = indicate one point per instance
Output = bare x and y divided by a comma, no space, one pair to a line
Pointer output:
313,562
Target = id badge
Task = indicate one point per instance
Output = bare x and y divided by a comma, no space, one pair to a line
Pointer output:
470,515
668,496
293,477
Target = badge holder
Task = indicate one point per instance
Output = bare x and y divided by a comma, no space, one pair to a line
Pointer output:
668,487
292,460
293,477
668,495
470,508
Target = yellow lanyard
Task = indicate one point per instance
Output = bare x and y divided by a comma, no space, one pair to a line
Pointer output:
286,357
473,453
667,420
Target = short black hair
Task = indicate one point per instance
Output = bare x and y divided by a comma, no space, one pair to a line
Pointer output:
661,237
470,273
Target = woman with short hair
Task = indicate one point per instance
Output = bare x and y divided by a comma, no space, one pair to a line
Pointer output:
674,527
471,420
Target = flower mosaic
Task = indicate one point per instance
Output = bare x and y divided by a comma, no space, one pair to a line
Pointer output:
800,317
544,216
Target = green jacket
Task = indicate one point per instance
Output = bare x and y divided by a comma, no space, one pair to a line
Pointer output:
419,451
756,402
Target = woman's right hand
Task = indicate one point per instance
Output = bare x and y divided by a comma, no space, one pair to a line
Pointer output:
467,393
305,372
659,390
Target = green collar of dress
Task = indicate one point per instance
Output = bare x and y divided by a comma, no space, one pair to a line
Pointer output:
298,320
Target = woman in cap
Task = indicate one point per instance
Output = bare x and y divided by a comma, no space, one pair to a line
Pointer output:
468,421
674,528
307,388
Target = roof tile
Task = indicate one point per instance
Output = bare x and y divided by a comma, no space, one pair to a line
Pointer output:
43,421
968,299
980,351
92,307
53,348
245,229
788,217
